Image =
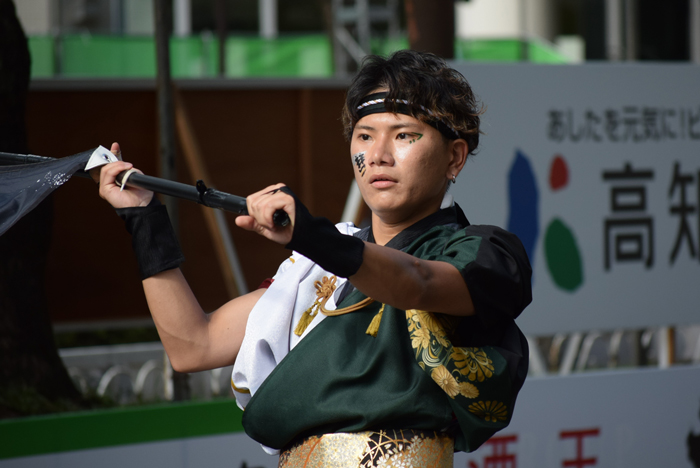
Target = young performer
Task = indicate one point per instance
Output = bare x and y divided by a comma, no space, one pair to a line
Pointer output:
394,345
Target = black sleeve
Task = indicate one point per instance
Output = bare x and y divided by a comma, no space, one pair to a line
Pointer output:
496,269
500,277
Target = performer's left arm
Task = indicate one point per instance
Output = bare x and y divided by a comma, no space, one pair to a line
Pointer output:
385,274
482,270
406,282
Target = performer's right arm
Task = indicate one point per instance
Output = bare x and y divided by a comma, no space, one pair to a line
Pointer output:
193,339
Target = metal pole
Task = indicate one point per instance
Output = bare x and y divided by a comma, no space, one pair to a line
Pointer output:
163,18
267,14
183,18
393,7
613,29
57,18
524,40
666,347
164,22
694,31
340,55
630,30
116,17
220,17
363,27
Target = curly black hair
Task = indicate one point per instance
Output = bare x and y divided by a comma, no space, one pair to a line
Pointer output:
423,79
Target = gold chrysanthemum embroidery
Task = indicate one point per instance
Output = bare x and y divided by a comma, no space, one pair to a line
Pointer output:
473,362
433,325
445,380
442,339
468,390
428,321
492,411
420,338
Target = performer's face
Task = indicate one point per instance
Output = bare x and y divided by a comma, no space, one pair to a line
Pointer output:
402,165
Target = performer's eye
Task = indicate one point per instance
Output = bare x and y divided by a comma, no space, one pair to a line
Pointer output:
364,137
402,136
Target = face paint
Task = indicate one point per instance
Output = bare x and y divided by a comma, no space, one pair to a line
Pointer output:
416,137
359,159
402,151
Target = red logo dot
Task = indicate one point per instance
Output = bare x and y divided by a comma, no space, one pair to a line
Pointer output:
558,173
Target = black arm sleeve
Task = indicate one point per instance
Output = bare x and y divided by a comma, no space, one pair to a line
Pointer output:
500,277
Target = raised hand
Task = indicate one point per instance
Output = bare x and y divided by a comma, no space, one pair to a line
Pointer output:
262,206
110,191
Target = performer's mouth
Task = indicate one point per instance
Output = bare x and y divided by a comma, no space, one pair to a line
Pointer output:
381,181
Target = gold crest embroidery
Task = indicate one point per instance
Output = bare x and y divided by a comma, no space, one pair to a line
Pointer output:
473,362
492,411
455,370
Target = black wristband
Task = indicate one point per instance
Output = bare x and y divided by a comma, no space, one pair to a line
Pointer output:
152,238
319,240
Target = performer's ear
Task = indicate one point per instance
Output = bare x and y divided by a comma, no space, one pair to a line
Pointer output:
459,150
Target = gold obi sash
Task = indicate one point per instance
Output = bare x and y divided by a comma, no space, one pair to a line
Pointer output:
392,448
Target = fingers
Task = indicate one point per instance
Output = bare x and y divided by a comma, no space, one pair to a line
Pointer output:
109,173
116,150
113,193
262,206
271,190
245,222
256,205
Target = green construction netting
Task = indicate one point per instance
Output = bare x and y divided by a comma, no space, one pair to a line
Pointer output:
307,56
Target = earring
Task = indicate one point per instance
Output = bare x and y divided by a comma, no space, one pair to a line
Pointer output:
454,179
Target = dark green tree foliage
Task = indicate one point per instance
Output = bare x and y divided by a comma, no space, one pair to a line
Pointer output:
32,376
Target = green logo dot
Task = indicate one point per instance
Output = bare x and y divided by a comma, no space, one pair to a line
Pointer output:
563,256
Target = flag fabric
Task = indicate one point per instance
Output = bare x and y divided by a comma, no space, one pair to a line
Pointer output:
23,187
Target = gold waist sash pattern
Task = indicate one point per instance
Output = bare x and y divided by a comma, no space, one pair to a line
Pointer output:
369,449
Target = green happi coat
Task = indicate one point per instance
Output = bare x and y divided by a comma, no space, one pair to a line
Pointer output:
422,370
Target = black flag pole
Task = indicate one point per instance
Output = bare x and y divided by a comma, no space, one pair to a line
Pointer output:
198,193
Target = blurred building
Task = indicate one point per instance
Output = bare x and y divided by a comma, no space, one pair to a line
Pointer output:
293,38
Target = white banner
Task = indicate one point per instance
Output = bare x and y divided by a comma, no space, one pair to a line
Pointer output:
596,168
621,419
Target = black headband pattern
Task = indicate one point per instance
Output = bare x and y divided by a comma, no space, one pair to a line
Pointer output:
374,104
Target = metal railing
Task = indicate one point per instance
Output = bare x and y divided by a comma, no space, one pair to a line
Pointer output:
135,373
141,372
566,353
